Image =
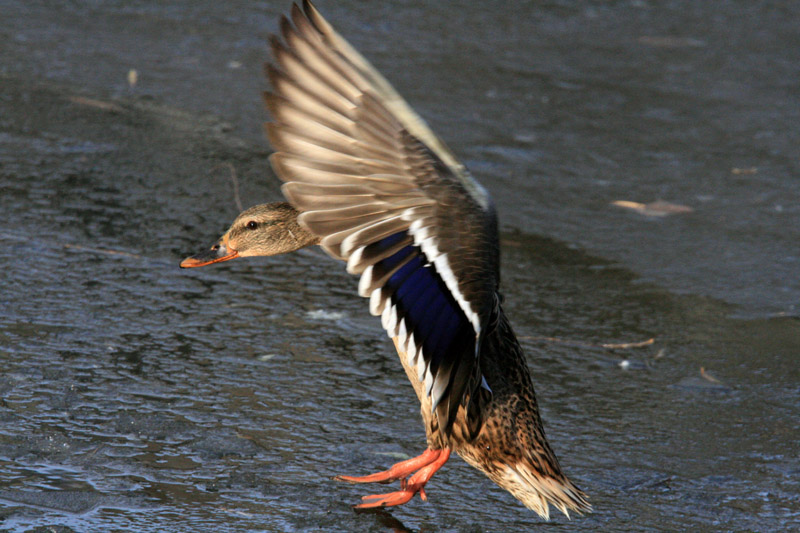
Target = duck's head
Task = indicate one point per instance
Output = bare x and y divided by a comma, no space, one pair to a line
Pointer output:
265,229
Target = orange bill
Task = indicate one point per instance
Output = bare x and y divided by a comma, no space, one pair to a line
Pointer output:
215,254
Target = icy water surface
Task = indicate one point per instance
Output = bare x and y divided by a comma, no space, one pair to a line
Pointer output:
138,397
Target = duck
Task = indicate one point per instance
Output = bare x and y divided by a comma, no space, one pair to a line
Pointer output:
366,179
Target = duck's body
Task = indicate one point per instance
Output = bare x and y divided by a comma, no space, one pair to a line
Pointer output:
369,182
510,447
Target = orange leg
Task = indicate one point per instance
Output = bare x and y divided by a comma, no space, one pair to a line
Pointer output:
425,466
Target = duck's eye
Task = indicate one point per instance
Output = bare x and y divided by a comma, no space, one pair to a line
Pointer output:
252,224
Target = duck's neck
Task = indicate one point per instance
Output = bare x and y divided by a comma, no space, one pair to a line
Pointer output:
295,236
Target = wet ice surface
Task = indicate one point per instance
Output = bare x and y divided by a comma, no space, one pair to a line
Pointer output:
139,397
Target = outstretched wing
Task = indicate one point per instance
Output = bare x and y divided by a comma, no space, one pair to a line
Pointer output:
387,196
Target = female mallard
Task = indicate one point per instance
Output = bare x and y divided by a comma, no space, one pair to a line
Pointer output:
369,182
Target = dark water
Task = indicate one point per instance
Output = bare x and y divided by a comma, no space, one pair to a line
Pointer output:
139,397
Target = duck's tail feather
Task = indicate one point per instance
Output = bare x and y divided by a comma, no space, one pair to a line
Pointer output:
538,491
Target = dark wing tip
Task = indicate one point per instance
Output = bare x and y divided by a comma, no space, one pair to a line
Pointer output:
273,73
276,46
309,9
314,16
297,14
269,102
286,27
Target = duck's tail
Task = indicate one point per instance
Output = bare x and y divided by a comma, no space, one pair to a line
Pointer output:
538,490
534,479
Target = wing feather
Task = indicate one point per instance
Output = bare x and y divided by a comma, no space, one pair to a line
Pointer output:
389,198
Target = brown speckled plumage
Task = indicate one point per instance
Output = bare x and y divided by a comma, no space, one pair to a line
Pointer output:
511,436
